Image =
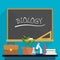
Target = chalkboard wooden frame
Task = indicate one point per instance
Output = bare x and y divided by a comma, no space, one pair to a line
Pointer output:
39,39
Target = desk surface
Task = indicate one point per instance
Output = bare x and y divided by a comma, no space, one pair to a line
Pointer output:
38,55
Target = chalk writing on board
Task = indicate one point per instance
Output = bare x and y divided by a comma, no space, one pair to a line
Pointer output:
29,21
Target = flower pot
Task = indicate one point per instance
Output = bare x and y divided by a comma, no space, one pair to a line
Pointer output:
27,50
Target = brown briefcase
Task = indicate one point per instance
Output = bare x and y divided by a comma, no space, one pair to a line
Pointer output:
10,50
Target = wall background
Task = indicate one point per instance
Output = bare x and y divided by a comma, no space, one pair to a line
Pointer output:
4,4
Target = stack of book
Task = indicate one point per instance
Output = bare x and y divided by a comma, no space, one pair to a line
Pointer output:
51,52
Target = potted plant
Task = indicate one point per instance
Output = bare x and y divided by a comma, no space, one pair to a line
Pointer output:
27,50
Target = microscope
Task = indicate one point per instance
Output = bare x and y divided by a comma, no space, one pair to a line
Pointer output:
36,49
39,47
